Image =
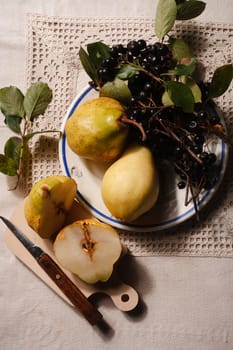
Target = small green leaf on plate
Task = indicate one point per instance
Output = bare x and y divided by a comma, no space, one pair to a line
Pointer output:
166,101
126,72
97,52
88,65
221,80
165,17
180,49
116,89
11,101
181,95
8,166
36,100
13,122
183,69
196,91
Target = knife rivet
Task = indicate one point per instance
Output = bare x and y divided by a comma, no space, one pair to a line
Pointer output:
58,276
125,297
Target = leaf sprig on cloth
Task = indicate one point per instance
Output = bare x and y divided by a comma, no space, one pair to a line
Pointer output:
20,111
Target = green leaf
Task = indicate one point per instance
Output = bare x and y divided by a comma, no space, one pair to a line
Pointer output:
13,148
8,166
126,72
183,69
196,91
36,100
13,122
88,66
11,101
97,52
165,17
181,95
221,80
9,162
190,9
166,101
180,49
116,89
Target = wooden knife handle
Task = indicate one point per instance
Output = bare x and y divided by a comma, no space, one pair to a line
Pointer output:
72,292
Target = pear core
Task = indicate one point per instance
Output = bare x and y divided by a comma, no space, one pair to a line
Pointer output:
95,131
89,249
130,186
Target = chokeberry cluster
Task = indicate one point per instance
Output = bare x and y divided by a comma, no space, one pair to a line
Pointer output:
153,58
171,134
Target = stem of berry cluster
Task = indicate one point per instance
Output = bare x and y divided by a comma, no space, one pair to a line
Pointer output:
126,120
175,137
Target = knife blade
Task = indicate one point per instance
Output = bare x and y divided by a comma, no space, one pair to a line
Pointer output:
73,293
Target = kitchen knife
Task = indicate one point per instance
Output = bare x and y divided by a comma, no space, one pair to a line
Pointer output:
72,292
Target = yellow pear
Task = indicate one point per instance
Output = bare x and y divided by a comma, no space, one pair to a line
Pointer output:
89,249
130,186
95,131
48,203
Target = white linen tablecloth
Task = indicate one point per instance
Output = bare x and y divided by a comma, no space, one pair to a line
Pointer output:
187,303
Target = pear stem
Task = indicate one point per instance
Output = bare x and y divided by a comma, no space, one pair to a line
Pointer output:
126,120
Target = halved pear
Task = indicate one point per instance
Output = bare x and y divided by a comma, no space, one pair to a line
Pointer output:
48,204
89,249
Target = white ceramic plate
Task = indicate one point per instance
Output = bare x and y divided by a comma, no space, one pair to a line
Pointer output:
169,209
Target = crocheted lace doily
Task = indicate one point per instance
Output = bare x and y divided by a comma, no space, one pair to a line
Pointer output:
52,57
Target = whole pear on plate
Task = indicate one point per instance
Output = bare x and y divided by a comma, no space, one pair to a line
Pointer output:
130,186
48,204
95,131
89,249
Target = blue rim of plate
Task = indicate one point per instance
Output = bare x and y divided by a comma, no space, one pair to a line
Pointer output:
131,226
